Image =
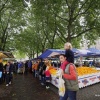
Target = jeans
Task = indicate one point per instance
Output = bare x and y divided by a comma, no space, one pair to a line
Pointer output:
43,80
36,73
8,78
69,94
33,73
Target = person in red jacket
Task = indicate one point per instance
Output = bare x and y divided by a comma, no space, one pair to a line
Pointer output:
47,76
70,76
64,63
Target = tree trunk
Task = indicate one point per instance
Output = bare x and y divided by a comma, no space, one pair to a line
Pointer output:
33,54
4,43
55,31
37,53
69,33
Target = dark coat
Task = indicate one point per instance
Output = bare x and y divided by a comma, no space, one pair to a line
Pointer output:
1,67
69,55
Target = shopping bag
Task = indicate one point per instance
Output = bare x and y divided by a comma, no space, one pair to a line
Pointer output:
61,87
0,74
61,84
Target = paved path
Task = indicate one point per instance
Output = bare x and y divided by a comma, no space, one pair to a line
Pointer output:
29,88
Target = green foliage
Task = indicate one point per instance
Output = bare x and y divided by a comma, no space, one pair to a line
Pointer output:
19,55
47,24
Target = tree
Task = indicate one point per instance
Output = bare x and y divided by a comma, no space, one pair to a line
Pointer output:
74,18
37,25
10,21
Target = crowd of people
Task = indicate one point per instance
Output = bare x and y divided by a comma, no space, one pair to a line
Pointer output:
69,74
7,70
40,69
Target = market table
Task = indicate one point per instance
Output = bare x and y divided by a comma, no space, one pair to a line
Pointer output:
83,81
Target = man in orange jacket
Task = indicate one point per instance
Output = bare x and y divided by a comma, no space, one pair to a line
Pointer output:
34,68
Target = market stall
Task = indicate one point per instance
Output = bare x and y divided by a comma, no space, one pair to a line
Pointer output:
86,75
6,56
53,52
89,76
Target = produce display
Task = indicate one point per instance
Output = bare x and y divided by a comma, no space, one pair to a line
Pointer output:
80,70
85,71
86,76
53,71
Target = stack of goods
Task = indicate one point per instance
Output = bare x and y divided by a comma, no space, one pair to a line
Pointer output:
53,70
86,71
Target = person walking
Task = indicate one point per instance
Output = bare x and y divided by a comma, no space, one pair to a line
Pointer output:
34,69
4,73
30,66
8,74
26,67
71,79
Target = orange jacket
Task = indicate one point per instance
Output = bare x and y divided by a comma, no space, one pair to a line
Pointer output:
35,66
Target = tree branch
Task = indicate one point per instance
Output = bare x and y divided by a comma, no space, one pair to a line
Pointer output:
61,37
43,44
62,18
83,32
59,16
46,35
82,7
61,33
67,4
4,29
3,6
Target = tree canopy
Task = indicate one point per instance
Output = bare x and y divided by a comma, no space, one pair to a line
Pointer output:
31,26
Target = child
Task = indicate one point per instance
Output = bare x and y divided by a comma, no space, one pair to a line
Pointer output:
47,76
69,53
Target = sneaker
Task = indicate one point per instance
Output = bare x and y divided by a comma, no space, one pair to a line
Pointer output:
7,84
10,83
47,87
